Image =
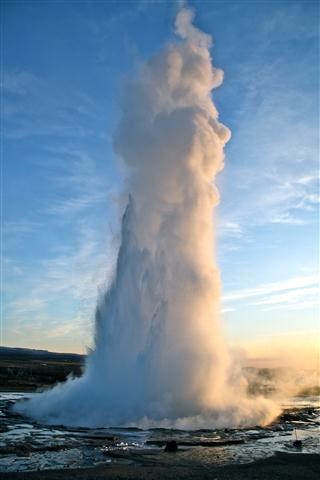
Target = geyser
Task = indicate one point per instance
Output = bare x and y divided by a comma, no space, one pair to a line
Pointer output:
160,358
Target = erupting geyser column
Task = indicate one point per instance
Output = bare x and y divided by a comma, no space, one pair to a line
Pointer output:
159,356
158,324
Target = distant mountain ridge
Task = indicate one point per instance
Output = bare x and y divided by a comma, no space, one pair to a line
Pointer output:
18,352
29,369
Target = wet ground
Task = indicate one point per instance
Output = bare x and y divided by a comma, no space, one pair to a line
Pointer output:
28,446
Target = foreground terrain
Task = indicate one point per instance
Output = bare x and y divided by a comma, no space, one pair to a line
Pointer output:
280,466
29,450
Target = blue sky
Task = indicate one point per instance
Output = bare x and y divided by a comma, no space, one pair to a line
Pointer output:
64,63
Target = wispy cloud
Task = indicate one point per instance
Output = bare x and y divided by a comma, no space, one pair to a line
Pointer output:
291,198
291,296
26,305
63,330
77,189
11,227
32,106
229,228
72,206
289,293
19,82
271,164
59,294
286,218
228,310
306,179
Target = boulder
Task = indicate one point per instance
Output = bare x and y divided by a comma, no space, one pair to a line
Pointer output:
171,446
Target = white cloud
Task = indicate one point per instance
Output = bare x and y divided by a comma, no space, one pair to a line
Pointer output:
306,179
228,310
69,281
229,228
286,218
19,82
26,305
12,227
62,330
295,284
272,159
299,305
291,296
77,189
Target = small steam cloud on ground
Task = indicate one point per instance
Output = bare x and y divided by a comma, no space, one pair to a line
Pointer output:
160,357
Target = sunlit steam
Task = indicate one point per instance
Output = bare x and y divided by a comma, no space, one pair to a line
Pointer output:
160,358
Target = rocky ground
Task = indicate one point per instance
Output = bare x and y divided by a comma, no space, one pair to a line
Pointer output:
259,453
279,467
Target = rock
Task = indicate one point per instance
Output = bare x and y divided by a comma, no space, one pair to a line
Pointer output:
171,446
297,443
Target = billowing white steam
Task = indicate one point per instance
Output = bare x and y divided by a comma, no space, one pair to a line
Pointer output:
160,357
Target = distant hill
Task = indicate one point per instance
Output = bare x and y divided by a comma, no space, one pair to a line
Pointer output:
28,369
32,353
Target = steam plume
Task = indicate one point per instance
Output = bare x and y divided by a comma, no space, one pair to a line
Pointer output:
160,357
